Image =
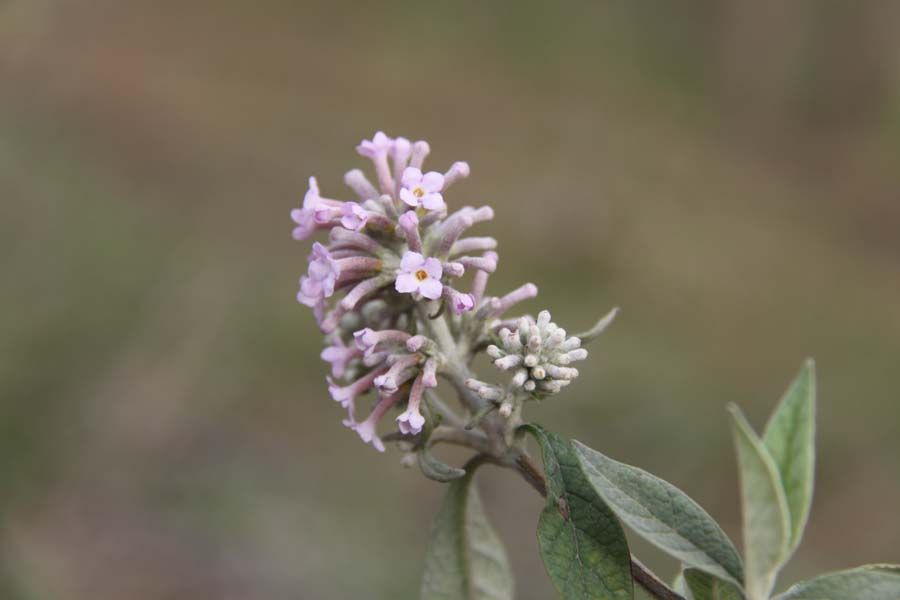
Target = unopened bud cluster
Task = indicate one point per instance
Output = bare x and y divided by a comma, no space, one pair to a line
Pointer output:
539,353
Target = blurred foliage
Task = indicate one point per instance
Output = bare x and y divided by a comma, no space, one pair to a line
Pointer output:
727,172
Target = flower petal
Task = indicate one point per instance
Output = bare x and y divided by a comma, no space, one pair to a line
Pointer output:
408,197
431,289
411,177
406,283
411,261
434,202
433,181
433,268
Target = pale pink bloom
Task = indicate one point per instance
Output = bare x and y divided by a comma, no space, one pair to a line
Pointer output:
339,355
422,190
347,394
420,274
353,216
366,430
411,421
367,339
305,217
379,144
321,277
399,373
458,301
429,373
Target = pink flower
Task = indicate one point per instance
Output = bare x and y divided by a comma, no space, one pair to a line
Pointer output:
339,355
321,277
353,216
305,217
380,144
420,274
411,421
366,430
459,302
367,339
422,190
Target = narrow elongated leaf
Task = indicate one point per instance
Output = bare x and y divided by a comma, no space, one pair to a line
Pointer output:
662,514
872,582
789,437
767,525
434,469
465,559
703,586
581,541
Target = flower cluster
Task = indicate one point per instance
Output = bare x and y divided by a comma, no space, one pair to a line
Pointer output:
384,289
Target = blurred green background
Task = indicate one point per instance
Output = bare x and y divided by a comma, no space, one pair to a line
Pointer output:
726,172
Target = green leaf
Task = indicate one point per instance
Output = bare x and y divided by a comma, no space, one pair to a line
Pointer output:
872,582
581,541
662,514
767,525
465,559
434,469
789,437
703,586
680,586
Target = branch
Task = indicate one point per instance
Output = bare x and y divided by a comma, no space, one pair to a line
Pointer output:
652,584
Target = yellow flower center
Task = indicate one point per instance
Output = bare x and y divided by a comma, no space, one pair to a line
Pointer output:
418,192
421,275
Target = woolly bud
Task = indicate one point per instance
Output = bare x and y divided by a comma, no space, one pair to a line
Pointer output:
508,362
357,181
420,151
520,377
454,269
409,225
458,170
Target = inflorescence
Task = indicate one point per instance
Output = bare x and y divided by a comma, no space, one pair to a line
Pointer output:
385,291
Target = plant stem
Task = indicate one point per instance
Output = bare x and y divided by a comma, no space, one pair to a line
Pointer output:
652,584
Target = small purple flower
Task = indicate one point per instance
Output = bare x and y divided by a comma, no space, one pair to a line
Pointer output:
366,430
420,274
366,340
422,190
411,421
379,144
459,302
305,217
339,355
345,395
353,216
321,277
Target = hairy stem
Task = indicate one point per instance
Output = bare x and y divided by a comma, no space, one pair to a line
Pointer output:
652,584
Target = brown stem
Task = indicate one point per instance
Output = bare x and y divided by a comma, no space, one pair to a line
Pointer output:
652,584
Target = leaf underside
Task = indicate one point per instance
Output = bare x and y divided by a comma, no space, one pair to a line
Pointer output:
662,514
581,541
790,439
766,519
873,582
703,586
465,560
